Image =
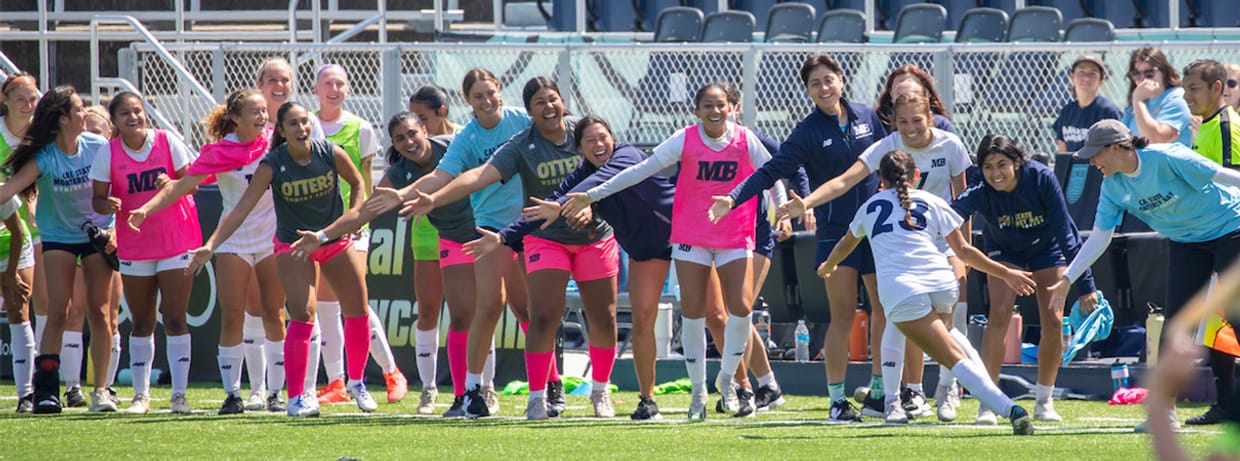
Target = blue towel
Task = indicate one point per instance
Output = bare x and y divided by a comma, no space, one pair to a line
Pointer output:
1087,329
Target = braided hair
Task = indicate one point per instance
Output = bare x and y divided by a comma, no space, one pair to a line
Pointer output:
897,169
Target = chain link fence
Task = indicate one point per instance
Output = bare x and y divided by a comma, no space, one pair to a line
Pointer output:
646,90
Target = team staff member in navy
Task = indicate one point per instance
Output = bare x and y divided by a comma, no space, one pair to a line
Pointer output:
1087,107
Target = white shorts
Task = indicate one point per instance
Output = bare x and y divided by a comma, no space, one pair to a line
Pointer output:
26,260
149,268
919,305
361,241
706,256
253,258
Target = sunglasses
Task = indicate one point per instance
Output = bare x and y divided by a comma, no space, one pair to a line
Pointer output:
1232,83
1137,75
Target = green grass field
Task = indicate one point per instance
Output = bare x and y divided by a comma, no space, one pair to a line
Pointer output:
798,430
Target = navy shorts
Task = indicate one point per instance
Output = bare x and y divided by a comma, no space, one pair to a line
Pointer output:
665,253
1030,260
81,250
861,259
763,238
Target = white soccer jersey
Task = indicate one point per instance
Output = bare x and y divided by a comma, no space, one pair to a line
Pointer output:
907,259
257,231
939,162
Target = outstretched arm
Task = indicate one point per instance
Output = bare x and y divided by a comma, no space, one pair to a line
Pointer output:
231,221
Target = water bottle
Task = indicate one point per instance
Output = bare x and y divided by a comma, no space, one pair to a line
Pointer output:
802,333
1067,336
762,322
1119,376
1153,334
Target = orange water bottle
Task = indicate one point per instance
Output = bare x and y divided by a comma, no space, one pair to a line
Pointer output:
859,337
1011,353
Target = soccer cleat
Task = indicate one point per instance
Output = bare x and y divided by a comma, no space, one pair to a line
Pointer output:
745,400
647,410
303,406
397,387
274,403
492,400
365,402
101,402
333,393
727,395
233,405
766,398
475,405
601,400
179,405
26,404
457,410
1021,423
872,405
842,411
1045,412
556,403
946,400
255,402
895,413
140,405
48,403
1144,427
697,407
74,397
1216,414
426,402
914,403
112,395
985,417
536,410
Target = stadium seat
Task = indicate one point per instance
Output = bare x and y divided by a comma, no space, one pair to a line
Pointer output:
1068,9
1035,24
790,22
652,9
982,25
728,26
956,11
760,9
779,290
920,23
664,88
1089,30
1147,254
679,24
1080,183
1121,14
842,26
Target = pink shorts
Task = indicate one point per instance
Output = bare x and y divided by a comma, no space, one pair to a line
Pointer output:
321,255
595,261
450,254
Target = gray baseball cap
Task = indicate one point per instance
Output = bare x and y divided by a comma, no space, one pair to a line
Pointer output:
1102,134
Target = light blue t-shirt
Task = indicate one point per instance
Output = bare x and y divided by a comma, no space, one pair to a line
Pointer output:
1169,108
66,190
1173,190
497,204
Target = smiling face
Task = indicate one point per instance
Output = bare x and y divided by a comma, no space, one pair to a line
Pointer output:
251,119
1202,97
1109,160
21,101
913,122
825,88
485,99
409,139
74,123
1086,79
1000,172
276,83
596,145
295,127
130,118
547,109
428,116
713,110
332,87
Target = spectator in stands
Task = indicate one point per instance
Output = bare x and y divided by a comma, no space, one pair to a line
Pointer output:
1188,199
1156,108
911,79
1087,76
1231,92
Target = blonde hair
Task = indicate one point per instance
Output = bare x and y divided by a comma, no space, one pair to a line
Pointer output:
267,63
102,113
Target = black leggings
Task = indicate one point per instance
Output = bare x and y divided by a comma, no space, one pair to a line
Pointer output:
1190,267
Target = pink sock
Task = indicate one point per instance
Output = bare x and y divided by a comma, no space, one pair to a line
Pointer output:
458,341
296,354
601,362
537,365
555,374
356,345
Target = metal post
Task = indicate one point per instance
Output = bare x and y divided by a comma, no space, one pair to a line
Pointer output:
390,69
1173,9
869,16
94,61
439,7
178,7
382,20
564,72
497,12
218,84
316,13
945,76
44,66
579,10
749,85
292,21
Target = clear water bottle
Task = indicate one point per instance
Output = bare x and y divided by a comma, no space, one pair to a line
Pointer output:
762,322
1119,376
802,333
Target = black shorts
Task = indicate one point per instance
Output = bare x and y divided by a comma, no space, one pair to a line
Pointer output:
81,250
861,259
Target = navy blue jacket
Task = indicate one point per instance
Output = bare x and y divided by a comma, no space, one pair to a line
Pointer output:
640,216
1031,220
818,145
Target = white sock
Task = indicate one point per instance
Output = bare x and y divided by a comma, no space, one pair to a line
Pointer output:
274,352
379,347
963,341
488,370
141,357
974,378
23,357
427,349
537,394
916,387
332,332
1044,393
114,360
693,339
40,323
179,353
252,340
472,381
230,358
312,363
768,380
71,358
946,378
960,317
893,344
735,342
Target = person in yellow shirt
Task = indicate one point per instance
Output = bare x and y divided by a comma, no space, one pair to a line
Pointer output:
1218,139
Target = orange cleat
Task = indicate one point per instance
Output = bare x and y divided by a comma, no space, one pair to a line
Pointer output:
333,393
397,386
